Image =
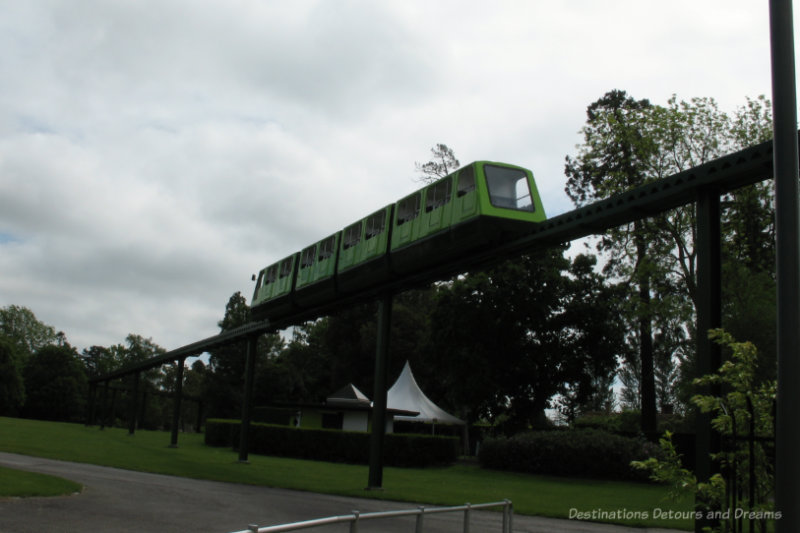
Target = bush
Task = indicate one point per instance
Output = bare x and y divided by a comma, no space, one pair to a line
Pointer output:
629,423
575,452
626,422
333,445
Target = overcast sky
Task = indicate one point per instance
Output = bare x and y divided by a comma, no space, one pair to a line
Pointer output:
155,154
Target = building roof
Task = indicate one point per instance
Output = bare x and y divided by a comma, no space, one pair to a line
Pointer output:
406,395
348,396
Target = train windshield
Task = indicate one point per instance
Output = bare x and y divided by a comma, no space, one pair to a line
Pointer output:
508,188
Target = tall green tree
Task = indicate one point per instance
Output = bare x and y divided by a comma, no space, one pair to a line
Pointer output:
12,387
614,157
19,325
658,255
224,378
507,340
56,385
100,360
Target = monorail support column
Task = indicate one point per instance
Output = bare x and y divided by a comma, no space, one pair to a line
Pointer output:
709,316
379,397
176,404
90,408
247,400
787,229
106,408
134,408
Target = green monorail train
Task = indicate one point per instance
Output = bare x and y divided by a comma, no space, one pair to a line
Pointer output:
478,206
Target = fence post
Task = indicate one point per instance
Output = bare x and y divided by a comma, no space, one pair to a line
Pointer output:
253,528
354,522
420,520
506,508
466,518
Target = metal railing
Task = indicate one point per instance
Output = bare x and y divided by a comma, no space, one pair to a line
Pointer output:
355,517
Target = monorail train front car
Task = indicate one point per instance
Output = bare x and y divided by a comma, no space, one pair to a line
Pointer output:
478,206
475,208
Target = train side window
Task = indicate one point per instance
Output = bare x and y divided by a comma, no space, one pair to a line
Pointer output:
326,248
508,188
466,181
352,235
307,258
286,267
272,274
375,225
408,209
438,194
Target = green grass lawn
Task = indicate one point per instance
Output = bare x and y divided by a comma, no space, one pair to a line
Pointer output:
21,484
455,485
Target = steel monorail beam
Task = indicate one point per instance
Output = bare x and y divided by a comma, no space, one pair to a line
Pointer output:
191,350
725,174
745,167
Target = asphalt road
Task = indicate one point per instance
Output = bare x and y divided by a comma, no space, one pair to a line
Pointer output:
115,500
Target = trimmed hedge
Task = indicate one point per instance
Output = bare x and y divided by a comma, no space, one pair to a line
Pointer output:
333,445
575,452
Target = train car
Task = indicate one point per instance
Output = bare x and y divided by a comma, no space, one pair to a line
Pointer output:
477,207
480,205
273,295
316,273
363,252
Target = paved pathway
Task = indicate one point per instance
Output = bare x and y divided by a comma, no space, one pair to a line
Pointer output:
115,500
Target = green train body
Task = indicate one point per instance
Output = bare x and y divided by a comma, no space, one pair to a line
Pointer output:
476,207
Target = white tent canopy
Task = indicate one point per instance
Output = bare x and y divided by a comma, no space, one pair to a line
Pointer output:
405,394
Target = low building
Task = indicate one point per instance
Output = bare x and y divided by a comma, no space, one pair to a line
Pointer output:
347,409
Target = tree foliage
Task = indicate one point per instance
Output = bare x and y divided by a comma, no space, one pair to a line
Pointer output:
441,164
614,157
629,142
12,387
506,341
56,385
745,401
224,378
19,325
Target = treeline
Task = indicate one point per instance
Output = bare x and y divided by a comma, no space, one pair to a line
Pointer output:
43,376
548,330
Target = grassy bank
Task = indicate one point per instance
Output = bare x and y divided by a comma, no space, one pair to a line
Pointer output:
454,485
21,484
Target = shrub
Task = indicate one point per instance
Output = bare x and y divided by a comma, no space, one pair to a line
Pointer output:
574,452
626,422
333,445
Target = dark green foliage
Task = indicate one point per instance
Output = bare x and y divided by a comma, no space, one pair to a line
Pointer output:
623,422
224,381
20,326
507,340
56,385
333,445
12,388
574,452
